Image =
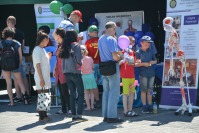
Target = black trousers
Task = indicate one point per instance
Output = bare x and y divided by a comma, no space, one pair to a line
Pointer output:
64,96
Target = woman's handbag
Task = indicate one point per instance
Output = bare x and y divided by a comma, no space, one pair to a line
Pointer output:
43,101
107,68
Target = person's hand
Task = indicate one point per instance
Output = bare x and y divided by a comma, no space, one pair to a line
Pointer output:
49,55
151,62
54,74
42,83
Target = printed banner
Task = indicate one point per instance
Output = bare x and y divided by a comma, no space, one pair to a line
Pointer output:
45,17
125,21
186,17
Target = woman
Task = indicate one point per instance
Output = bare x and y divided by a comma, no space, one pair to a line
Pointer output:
8,34
71,66
42,68
59,34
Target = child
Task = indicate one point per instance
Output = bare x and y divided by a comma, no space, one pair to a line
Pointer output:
128,78
88,78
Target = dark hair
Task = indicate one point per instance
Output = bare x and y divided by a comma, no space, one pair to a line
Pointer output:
8,32
40,37
61,32
44,28
65,50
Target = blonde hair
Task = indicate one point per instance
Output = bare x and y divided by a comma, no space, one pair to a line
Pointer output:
11,19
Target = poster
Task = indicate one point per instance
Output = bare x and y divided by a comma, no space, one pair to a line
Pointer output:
125,21
186,23
45,17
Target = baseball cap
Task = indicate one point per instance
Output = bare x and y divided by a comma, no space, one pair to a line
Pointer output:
92,28
78,13
146,39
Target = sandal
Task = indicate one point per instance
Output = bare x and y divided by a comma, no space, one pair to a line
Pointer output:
11,104
26,99
130,114
87,109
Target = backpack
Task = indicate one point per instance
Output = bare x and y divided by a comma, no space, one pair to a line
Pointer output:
9,57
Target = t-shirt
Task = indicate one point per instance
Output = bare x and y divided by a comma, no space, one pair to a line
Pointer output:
40,56
127,71
107,45
146,56
87,65
67,25
92,47
19,36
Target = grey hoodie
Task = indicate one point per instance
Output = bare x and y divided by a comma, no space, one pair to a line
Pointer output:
74,62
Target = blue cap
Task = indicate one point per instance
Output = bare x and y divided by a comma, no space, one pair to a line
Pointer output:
146,39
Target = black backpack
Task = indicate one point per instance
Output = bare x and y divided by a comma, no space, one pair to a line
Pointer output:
9,56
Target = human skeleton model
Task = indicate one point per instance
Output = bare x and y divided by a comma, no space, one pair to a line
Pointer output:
173,43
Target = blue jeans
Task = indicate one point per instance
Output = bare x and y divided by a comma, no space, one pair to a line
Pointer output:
98,76
111,92
75,85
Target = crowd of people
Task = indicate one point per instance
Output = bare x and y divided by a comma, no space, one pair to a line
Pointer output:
78,70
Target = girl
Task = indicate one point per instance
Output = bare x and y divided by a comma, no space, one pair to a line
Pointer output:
71,56
42,68
8,34
88,78
59,34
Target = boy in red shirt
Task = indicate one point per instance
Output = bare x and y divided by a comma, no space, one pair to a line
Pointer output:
128,79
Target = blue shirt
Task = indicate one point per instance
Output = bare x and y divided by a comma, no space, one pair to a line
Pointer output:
67,25
106,46
146,56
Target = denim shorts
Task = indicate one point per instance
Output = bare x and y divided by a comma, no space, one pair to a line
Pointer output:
146,83
20,69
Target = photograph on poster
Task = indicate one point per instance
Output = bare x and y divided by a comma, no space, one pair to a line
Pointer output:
176,22
191,65
167,54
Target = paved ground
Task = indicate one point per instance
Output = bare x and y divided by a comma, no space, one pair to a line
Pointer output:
23,118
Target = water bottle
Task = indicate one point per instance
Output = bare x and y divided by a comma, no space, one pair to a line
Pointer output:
155,108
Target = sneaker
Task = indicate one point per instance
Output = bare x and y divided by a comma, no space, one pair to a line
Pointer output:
79,119
150,109
114,120
17,100
97,104
60,112
145,110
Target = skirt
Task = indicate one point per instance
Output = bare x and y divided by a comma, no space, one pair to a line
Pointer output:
89,81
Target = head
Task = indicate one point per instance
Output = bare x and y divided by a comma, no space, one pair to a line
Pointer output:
84,50
110,28
70,37
11,21
145,42
76,16
59,35
93,31
130,22
132,40
42,39
44,28
8,33
167,24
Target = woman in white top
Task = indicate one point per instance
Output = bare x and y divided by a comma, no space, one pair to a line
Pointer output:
42,68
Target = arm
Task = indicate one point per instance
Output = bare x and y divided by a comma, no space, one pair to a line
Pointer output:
116,56
42,82
20,56
78,54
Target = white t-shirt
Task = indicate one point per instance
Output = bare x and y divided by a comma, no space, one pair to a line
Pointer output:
40,56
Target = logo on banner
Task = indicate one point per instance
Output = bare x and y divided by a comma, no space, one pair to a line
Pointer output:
173,3
40,10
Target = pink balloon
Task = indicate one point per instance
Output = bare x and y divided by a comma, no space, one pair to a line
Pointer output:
123,42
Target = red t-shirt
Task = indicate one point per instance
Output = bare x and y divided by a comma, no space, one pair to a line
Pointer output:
92,47
127,71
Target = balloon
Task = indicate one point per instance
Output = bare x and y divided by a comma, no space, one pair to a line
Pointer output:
68,8
55,6
151,35
93,21
123,42
139,43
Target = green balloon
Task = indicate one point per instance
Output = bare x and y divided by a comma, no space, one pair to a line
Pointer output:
68,8
55,6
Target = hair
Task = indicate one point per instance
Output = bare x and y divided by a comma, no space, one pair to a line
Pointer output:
110,24
11,19
8,32
61,32
65,50
44,28
40,37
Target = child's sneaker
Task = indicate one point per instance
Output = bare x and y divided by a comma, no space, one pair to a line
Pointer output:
150,109
145,109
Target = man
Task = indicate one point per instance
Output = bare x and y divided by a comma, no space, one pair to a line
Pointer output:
92,47
108,50
69,24
19,36
130,28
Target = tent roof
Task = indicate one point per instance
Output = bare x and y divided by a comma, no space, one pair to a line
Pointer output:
11,2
